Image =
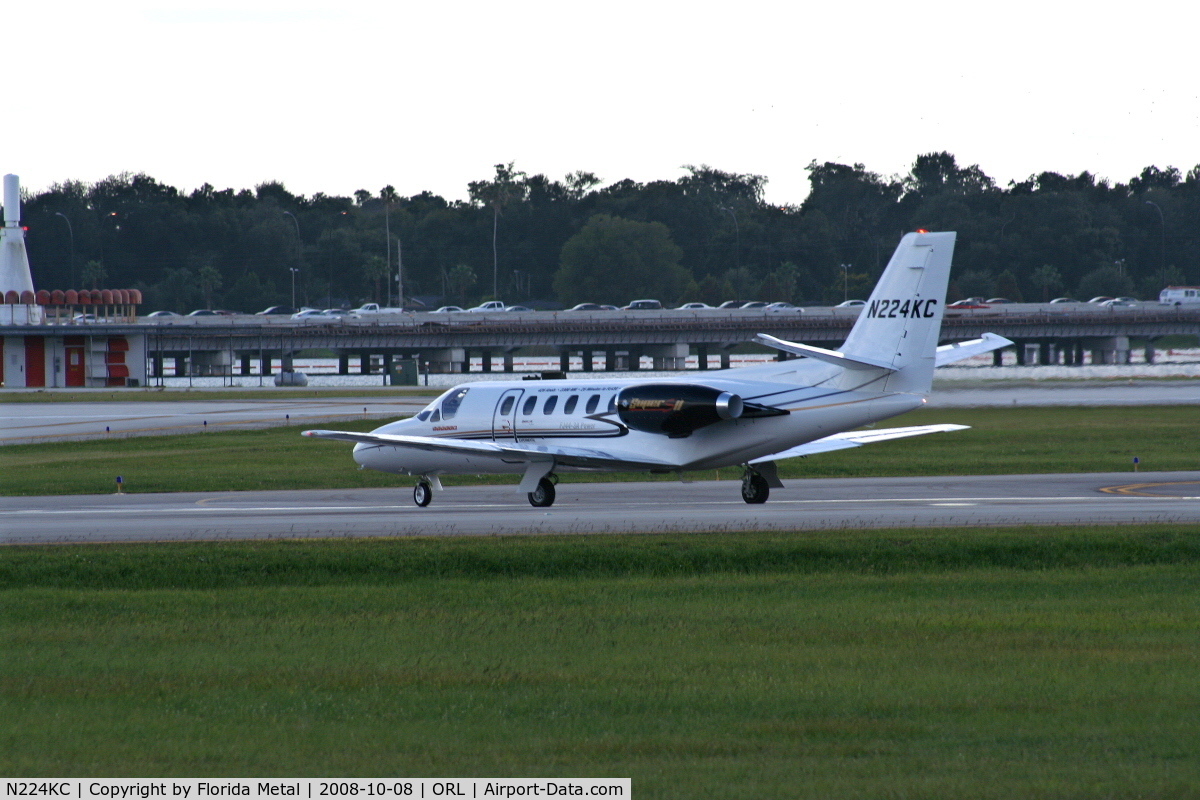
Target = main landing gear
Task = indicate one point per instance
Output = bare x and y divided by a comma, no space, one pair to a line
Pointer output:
422,493
754,487
543,495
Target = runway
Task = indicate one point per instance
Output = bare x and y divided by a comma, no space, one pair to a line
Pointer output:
591,508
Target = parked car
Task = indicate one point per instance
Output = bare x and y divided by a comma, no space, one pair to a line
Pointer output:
1119,302
785,307
1098,299
606,307
586,307
693,306
276,310
446,309
755,304
732,304
1064,300
969,302
203,312
851,304
643,305
999,301
163,314
517,308
490,305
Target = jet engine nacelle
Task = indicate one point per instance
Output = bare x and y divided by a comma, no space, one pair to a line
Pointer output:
675,409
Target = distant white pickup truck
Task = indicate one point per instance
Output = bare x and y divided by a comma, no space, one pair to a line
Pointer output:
375,308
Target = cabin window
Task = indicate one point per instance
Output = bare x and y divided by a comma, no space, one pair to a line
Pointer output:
612,403
551,402
569,408
424,415
507,405
592,402
527,409
437,415
452,402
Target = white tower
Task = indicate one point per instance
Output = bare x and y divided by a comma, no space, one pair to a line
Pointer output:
14,262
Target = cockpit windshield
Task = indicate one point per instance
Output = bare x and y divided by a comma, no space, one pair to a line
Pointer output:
452,401
445,407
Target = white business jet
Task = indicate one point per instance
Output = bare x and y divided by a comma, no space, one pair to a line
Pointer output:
750,416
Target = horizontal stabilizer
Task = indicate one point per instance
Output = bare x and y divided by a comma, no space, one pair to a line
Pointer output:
821,354
949,353
848,439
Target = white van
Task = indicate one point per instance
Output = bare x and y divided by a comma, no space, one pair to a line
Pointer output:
1180,296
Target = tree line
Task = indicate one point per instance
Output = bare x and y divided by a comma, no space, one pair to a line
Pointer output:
708,236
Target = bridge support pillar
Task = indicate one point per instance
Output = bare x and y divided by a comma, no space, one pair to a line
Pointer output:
564,360
587,359
508,362
1022,349
1149,353
156,365
285,362
724,358
245,364
265,367
998,357
610,360
668,356
446,359
701,356
364,363
343,364
486,366
1044,353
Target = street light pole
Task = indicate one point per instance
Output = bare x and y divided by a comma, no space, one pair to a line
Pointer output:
72,232
845,282
297,267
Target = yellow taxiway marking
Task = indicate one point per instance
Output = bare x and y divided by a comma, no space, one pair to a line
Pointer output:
1133,489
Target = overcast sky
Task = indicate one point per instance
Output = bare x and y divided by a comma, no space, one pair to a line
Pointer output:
332,97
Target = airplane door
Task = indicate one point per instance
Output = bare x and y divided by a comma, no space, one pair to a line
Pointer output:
504,418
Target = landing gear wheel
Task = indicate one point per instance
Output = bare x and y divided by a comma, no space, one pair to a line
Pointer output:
422,493
754,488
543,495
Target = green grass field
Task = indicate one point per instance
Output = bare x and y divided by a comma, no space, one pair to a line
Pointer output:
1001,441
1039,662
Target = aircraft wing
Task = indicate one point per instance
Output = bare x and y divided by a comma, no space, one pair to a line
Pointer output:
583,457
949,353
848,439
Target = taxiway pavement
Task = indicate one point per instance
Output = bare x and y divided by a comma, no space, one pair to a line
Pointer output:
589,508
22,423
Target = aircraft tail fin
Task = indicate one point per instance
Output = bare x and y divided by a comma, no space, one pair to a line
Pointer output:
901,322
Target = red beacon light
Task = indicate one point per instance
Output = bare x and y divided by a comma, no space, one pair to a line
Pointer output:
922,230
